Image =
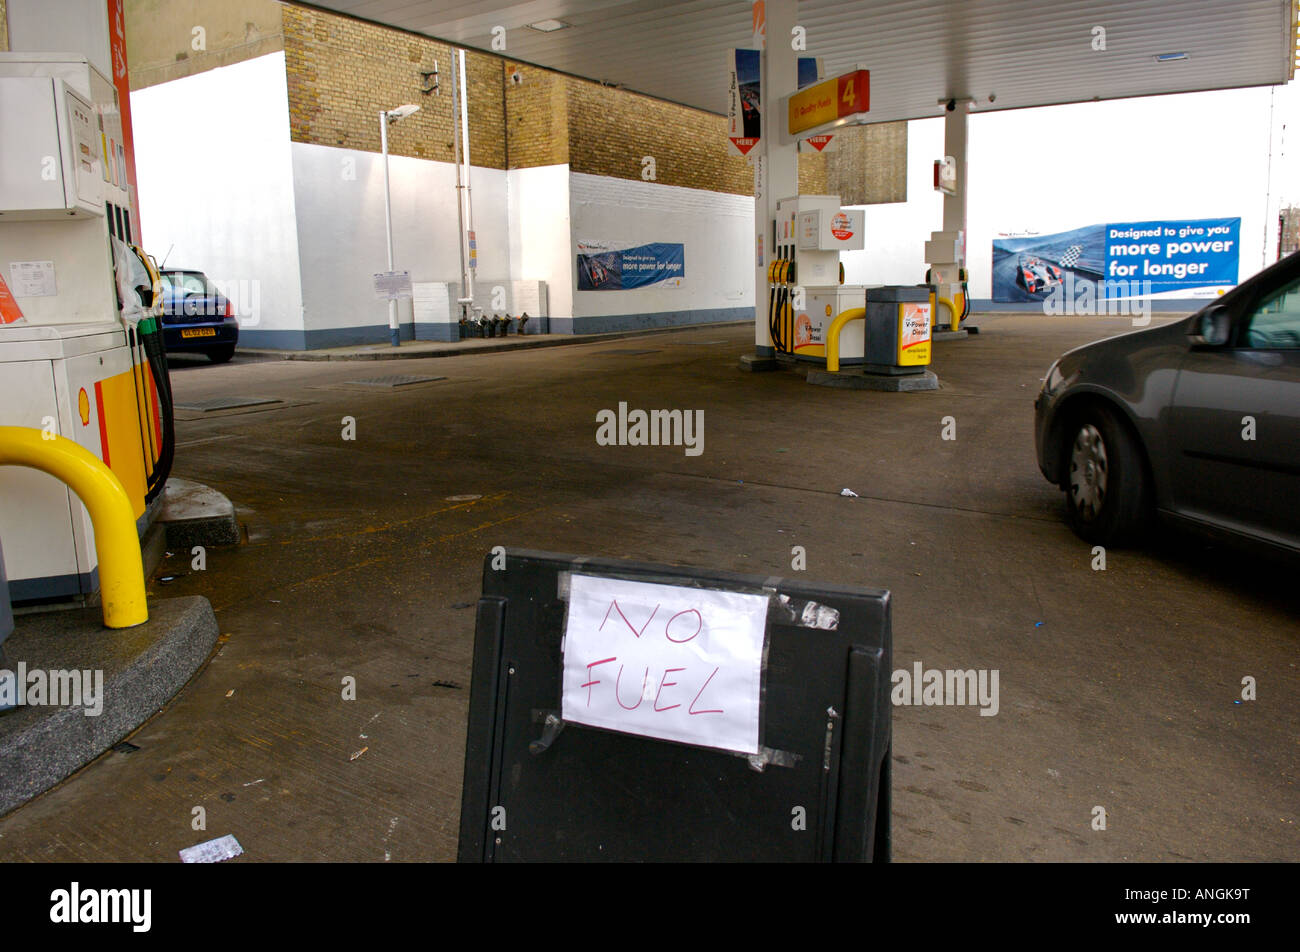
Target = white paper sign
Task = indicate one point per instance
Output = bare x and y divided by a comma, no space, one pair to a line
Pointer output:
393,285
32,279
666,661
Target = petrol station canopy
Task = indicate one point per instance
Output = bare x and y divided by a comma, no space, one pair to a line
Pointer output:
1017,53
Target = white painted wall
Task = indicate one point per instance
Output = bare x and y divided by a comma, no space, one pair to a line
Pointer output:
540,242
715,227
895,234
213,165
1198,155
339,196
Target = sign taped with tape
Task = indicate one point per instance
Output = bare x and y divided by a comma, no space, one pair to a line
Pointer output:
665,661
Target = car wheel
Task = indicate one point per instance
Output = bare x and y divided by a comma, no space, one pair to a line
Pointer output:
1106,487
219,355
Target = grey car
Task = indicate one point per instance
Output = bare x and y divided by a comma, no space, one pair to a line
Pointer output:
1196,422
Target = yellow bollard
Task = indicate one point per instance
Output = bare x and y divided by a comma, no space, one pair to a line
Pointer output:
833,335
954,309
121,570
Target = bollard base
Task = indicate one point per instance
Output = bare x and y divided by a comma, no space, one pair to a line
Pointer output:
892,383
142,668
756,364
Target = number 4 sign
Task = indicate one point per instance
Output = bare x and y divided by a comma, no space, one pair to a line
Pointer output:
665,661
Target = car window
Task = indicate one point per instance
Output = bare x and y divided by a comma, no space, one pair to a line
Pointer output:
1275,321
188,283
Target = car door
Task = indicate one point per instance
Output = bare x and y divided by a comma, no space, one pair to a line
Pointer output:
1235,419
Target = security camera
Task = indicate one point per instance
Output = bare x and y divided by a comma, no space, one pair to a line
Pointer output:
952,105
516,77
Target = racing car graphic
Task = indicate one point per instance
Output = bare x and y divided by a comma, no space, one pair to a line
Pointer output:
1034,274
598,270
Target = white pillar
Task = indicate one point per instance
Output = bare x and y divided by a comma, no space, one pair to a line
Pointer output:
776,168
954,144
945,252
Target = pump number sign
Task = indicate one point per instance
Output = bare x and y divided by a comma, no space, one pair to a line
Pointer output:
833,99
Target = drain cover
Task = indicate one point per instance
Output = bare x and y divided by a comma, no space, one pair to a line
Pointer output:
627,352
224,403
391,382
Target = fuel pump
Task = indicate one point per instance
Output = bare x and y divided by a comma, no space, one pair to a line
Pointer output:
807,280
81,353
882,333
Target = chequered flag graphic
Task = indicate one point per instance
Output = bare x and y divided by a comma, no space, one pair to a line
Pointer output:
1071,255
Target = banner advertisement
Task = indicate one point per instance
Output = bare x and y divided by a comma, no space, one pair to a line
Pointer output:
744,102
1195,258
611,266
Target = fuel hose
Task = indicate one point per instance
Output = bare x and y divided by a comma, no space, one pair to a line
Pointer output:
150,332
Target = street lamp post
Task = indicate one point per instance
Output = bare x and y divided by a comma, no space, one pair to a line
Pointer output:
385,117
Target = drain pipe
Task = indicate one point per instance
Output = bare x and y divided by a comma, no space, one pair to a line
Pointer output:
460,208
469,198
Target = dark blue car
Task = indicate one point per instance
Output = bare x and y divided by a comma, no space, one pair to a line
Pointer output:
196,317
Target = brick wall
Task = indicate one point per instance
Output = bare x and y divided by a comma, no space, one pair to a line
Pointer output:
601,130
536,115
611,131
869,166
169,39
343,72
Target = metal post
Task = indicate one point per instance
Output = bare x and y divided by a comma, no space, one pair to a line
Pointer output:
469,198
388,226
460,208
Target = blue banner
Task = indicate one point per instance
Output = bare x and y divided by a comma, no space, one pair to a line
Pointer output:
1192,258
601,268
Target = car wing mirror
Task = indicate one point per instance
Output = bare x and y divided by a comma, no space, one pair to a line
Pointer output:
1213,327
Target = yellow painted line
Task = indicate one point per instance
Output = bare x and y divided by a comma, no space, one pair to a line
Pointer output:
386,526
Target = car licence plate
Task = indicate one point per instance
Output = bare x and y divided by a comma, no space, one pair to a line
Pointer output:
200,332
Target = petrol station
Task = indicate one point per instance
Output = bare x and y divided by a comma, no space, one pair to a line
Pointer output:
298,560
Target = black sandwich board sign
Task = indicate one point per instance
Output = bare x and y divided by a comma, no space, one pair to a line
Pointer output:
624,711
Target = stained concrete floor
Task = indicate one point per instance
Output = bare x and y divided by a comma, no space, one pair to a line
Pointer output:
1118,688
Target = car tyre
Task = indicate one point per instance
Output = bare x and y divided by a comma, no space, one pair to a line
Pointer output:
219,355
1107,491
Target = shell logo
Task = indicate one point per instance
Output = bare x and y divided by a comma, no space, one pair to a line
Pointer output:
83,407
828,310
802,331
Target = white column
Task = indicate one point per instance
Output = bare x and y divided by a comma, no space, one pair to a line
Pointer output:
954,144
945,252
776,170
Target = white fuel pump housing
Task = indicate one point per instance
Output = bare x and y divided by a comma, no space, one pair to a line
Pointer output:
809,232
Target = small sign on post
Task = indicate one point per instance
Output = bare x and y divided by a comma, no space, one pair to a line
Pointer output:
393,286
945,175
844,97
744,102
